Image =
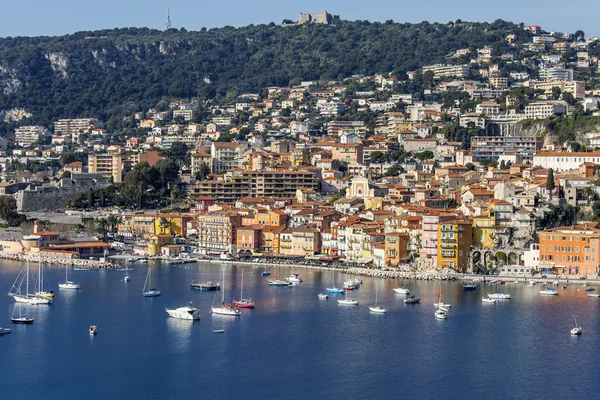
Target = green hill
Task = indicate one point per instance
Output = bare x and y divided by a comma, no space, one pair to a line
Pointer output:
102,73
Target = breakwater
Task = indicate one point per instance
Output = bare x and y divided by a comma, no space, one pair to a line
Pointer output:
46,259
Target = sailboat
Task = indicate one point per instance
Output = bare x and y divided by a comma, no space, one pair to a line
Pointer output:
41,286
22,318
127,278
243,303
440,312
28,298
67,284
377,308
413,298
149,291
576,330
225,309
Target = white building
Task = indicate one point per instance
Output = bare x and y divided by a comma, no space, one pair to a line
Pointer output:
28,135
545,109
561,161
556,74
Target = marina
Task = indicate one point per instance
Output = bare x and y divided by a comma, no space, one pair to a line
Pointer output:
173,346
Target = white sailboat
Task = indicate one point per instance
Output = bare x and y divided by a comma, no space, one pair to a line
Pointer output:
377,308
149,291
440,312
42,292
414,298
67,284
225,309
28,298
21,318
576,330
127,278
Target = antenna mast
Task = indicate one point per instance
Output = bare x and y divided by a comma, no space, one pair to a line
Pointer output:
168,24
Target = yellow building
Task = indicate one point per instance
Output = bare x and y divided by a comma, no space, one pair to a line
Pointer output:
270,239
271,217
172,224
483,228
156,242
109,165
373,203
455,239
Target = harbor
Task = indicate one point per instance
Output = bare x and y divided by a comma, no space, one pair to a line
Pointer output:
292,327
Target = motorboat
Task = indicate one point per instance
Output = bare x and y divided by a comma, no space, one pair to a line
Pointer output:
334,290
93,330
576,330
278,282
549,292
266,273
443,305
244,303
4,331
401,291
185,312
594,296
206,286
294,278
499,296
218,331
377,310
142,261
412,299
69,285
590,289
488,300
349,287
441,314
469,287
323,296
348,302
532,283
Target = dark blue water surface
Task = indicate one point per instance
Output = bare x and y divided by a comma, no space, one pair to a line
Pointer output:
294,345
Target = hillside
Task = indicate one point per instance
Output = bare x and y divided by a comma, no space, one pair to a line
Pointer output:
95,74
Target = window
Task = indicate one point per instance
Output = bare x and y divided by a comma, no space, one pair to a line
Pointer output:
576,249
564,258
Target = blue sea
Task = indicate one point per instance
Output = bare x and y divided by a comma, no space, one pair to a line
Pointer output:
294,345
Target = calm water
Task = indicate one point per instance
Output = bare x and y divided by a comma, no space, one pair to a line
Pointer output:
294,345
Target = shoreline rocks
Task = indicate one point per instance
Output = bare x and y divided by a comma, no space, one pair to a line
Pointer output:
75,262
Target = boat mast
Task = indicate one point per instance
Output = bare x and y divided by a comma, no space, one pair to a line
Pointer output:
223,291
242,290
40,276
27,277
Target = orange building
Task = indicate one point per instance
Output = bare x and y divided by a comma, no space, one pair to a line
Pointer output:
571,250
248,237
396,248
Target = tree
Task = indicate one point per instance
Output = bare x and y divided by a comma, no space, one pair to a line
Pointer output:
568,97
578,35
178,152
555,93
203,172
424,155
550,185
8,211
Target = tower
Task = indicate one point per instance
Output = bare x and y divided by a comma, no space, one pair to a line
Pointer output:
168,24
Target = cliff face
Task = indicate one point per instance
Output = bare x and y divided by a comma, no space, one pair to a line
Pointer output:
92,73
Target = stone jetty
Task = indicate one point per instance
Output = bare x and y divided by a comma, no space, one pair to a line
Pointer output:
395,274
46,259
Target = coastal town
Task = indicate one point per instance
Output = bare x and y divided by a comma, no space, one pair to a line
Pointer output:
488,163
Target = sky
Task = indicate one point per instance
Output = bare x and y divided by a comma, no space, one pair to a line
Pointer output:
59,17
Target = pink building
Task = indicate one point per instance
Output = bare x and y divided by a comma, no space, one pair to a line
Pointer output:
429,234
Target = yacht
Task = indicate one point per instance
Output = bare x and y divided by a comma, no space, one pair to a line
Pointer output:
93,330
549,292
225,309
488,300
323,296
401,291
348,302
294,278
206,286
4,331
499,296
278,282
27,298
185,312
412,299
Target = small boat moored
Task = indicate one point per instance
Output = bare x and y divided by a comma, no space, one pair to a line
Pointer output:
499,296
488,300
294,278
334,290
278,282
549,292
412,299
206,286
4,331
377,310
348,302
266,273
323,296
93,330
185,312
594,296
401,291
469,287
441,314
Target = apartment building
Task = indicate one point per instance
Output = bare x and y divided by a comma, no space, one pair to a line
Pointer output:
492,147
576,88
352,153
489,107
562,161
429,234
67,127
498,82
335,128
571,250
198,159
545,109
306,241
217,232
187,115
236,185
26,136
444,71
556,74
395,248
109,165
225,156
455,239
